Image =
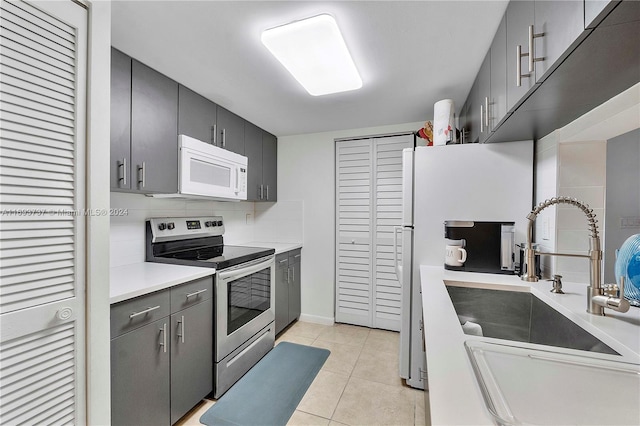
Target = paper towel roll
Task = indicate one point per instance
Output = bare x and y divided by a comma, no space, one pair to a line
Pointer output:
472,329
444,126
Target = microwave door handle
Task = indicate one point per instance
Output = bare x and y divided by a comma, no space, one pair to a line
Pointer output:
237,189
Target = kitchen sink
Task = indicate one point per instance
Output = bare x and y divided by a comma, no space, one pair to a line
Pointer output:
521,317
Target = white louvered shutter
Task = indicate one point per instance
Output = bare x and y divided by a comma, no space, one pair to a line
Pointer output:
368,207
387,209
353,231
43,54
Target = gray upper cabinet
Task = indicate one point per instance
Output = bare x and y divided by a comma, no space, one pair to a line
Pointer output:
197,116
253,151
520,15
562,23
498,101
154,130
483,95
120,120
261,148
231,131
270,166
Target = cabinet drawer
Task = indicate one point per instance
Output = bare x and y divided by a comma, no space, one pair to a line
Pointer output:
294,255
134,313
282,260
191,293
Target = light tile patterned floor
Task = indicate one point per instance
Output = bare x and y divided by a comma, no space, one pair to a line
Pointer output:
358,384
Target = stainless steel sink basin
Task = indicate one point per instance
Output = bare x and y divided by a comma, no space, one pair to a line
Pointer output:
521,317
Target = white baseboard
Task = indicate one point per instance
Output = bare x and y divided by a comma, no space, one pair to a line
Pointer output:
316,319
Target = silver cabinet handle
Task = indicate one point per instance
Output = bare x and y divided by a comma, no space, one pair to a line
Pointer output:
481,119
181,334
293,273
267,192
297,256
283,260
146,311
532,54
195,293
123,164
141,175
224,137
214,134
519,56
261,191
288,275
163,330
486,112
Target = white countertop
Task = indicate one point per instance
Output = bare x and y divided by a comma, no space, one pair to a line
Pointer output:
138,279
453,391
279,247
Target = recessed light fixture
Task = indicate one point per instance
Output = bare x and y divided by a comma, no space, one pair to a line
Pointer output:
315,53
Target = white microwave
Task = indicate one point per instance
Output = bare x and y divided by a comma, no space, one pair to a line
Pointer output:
207,171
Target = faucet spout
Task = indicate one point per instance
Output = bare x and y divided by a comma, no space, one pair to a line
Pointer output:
595,252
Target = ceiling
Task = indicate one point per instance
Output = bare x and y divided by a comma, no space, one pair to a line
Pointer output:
410,54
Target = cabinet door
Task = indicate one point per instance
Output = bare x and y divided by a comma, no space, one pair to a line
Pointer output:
282,292
154,131
196,116
473,113
498,100
140,376
253,151
191,357
562,22
520,14
120,120
294,285
484,94
270,166
230,131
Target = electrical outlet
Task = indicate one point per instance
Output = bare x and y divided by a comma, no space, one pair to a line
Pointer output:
249,219
546,229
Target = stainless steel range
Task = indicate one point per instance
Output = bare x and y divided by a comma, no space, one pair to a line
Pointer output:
244,289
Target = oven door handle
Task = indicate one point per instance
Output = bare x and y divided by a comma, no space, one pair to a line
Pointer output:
246,269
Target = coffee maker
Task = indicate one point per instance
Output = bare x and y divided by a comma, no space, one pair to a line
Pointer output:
488,246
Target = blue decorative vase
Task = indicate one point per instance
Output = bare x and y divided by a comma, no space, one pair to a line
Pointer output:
628,266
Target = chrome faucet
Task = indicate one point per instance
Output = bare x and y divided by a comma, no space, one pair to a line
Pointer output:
596,300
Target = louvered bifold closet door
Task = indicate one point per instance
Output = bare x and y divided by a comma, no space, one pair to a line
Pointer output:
42,227
354,222
387,211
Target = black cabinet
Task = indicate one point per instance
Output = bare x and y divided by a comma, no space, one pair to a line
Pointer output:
120,121
287,291
154,130
197,116
261,149
161,354
231,130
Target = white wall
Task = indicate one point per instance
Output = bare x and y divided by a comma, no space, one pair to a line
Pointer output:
306,174
572,161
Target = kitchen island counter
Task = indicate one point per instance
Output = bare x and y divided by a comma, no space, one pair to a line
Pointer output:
454,394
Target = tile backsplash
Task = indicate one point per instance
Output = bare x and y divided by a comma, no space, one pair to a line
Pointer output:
244,221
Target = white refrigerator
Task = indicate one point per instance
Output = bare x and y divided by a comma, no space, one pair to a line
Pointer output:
473,182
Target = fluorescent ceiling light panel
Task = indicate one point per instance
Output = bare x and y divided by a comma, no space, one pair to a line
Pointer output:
315,53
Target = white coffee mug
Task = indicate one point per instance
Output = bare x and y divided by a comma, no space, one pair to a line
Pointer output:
455,254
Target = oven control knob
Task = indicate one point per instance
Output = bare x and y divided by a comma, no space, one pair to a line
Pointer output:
171,225
162,226
209,224
219,223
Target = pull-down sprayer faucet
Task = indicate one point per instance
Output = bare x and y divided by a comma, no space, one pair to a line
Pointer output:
596,300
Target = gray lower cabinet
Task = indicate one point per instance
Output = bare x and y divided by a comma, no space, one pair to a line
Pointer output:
140,376
154,131
191,357
231,130
197,116
161,354
261,148
287,291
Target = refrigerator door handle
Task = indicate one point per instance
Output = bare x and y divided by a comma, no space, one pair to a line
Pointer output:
398,268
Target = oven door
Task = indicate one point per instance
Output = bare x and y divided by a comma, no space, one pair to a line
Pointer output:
244,303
